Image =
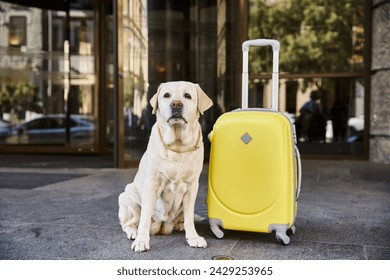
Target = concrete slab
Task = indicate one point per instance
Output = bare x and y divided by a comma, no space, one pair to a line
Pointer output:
343,213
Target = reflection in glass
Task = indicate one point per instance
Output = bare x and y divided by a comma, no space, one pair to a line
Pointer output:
135,77
51,129
39,103
17,31
315,36
321,85
328,114
168,41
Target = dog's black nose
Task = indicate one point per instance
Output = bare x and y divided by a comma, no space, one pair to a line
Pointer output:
176,104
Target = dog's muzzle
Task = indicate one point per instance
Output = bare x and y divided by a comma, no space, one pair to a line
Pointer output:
176,109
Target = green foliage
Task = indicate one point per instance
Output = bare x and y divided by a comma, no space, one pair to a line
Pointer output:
316,36
4,94
16,94
128,91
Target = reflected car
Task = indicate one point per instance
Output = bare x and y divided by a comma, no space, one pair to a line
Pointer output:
5,128
356,128
51,129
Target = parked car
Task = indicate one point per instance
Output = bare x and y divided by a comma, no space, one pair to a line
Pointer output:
5,128
51,129
356,128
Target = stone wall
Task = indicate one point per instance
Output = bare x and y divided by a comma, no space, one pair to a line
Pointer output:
380,83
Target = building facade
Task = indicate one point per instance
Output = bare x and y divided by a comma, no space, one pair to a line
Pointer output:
77,76
380,83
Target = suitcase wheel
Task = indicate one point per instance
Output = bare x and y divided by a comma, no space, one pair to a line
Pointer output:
291,230
217,231
281,232
282,237
215,225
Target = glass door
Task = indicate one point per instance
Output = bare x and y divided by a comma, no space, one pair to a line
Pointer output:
133,117
47,78
160,41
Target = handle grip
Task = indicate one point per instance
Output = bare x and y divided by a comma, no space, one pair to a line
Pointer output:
275,69
261,43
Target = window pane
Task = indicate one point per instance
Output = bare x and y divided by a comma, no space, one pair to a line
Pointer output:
328,113
33,78
17,31
170,41
318,39
316,36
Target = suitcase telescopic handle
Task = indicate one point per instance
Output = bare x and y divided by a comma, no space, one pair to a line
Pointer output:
275,69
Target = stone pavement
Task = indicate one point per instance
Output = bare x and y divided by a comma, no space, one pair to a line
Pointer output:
67,211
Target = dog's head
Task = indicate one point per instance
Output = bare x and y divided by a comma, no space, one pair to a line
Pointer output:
180,103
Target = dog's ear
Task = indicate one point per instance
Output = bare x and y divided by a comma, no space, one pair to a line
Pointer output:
154,100
204,102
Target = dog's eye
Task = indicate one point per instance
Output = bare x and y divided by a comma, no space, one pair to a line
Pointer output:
188,96
167,95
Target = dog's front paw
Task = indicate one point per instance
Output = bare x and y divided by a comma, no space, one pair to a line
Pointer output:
198,242
140,245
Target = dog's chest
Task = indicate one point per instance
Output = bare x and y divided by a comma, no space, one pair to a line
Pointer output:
178,174
173,186
177,166
175,174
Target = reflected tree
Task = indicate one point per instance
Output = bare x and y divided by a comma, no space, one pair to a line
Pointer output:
316,36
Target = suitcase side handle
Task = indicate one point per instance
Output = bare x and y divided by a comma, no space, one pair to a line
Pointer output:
299,172
275,69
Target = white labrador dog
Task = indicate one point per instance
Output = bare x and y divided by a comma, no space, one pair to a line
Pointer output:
162,195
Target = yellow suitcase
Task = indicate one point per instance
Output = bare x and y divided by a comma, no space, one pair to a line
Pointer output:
254,169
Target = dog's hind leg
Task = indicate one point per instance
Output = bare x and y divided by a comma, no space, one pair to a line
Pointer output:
155,227
167,227
179,222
